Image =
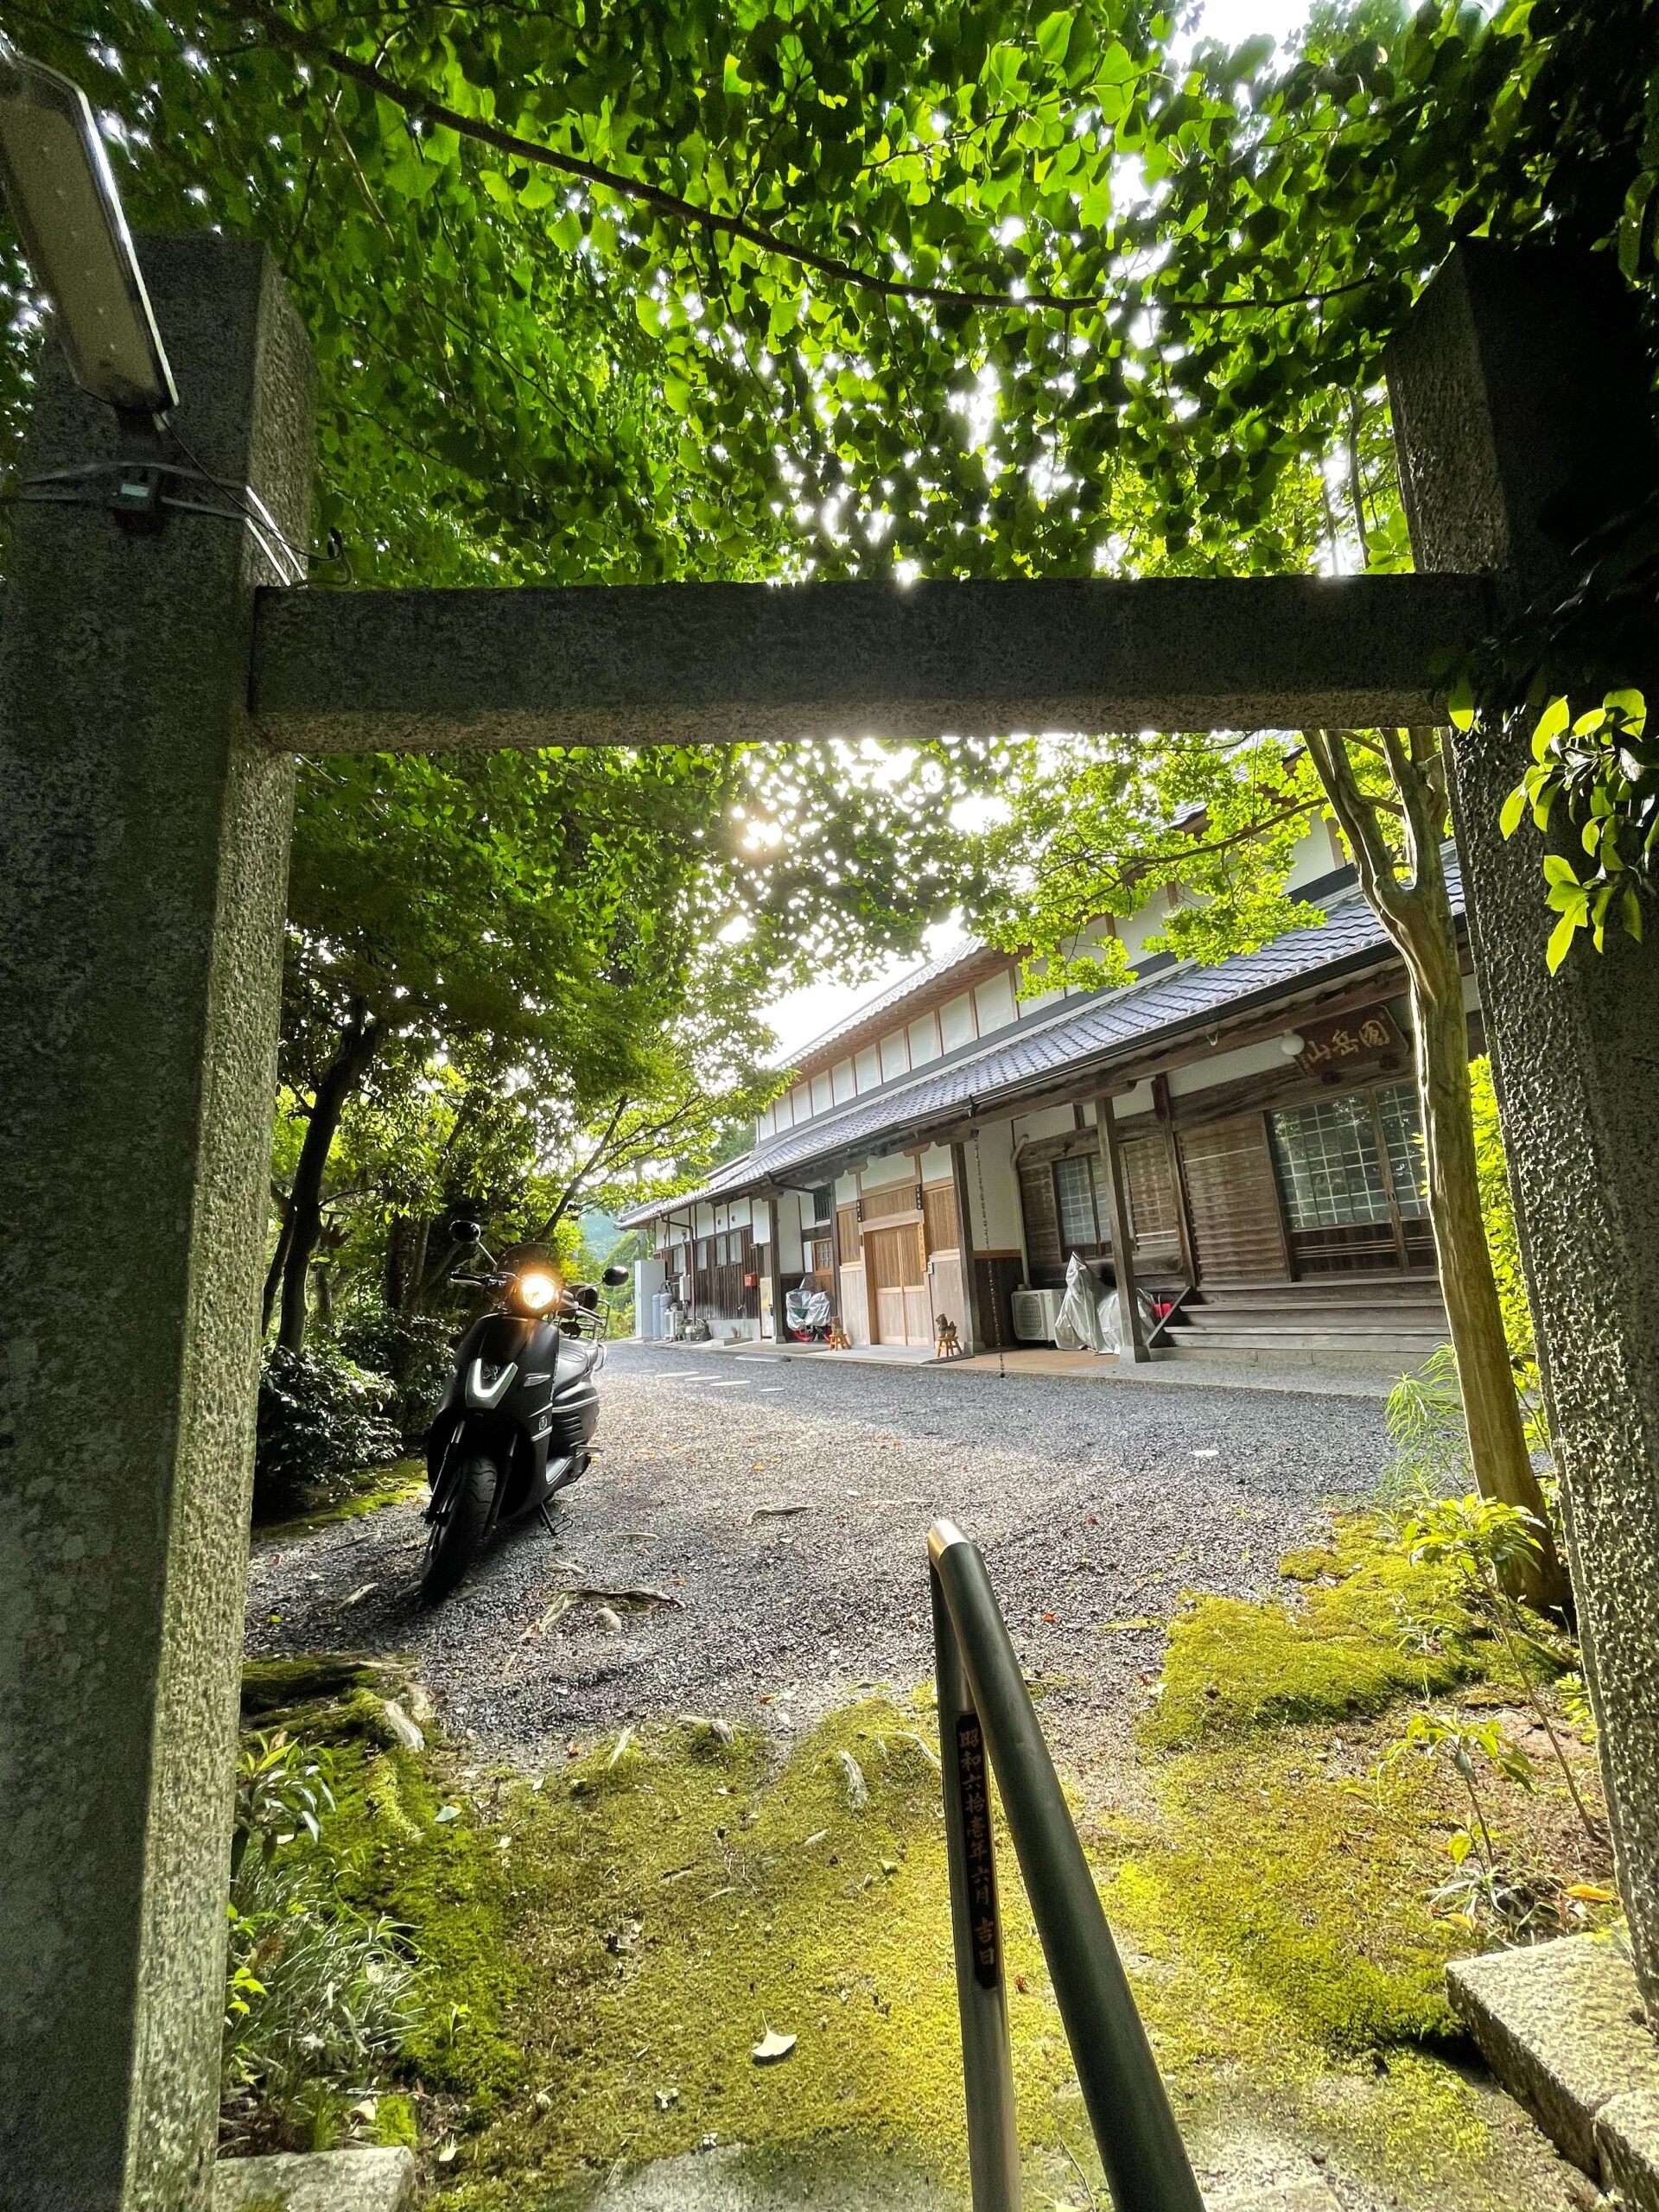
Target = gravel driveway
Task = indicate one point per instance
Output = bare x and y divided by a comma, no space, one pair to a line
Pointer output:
1096,1503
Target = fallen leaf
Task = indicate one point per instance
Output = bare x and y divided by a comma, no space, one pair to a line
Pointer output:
666,2099
772,2047
358,1594
1048,1617
1589,1893
1019,1983
446,1813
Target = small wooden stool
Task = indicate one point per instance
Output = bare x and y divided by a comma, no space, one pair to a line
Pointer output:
947,1345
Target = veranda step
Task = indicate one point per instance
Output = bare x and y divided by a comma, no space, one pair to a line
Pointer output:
1284,1313
1409,1344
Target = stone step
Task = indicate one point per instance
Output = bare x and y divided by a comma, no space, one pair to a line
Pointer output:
317,2181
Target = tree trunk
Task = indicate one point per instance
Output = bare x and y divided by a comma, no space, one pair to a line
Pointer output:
353,1055
1417,916
413,1297
274,1272
394,1285
1497,1442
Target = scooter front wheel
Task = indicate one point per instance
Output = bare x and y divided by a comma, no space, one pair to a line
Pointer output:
458,1527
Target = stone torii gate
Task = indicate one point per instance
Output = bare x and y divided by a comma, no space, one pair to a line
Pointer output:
154,692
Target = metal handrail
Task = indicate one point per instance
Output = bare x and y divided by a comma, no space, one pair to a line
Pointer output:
985,1708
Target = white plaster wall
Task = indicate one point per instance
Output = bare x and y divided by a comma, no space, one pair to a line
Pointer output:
1264,1059
1052,1121
997,1224
761,1222
705,1222
923,1040
994,1003
846,1190
880,1175
790,1255
1133,930
956,1021
1316,855
895,1055
824,1096
738,1214
936,1164
866,1068
842,1081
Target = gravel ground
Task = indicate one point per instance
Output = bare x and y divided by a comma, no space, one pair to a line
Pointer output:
1096,1504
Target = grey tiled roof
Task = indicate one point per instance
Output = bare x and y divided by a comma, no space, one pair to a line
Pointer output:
1095,1034
913,980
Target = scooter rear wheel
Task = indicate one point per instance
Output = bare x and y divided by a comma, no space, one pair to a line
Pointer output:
458,1532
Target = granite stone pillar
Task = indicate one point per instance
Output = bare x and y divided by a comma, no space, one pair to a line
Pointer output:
1523,418
143,854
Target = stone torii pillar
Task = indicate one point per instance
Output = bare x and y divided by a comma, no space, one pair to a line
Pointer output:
1523,415
144,828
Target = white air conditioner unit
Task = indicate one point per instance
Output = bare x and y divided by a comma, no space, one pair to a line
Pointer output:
1035,1312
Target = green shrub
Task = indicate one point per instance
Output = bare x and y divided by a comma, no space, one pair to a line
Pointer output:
413,1350
321,1420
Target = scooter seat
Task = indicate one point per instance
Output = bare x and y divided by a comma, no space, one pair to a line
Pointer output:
577,1357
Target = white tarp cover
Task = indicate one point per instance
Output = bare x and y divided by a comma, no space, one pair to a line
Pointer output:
1077,1324
1111,1319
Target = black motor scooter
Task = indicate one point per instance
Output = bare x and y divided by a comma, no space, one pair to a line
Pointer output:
520,1409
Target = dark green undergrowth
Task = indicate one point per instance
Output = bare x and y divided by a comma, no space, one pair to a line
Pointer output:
393,1485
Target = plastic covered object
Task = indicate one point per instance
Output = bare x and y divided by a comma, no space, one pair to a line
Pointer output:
1111,1320
1077,1324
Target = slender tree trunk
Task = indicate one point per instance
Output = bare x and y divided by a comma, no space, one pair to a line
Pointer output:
413,1297
394,1288
353,1055
1497,1442
274,1272
1417,916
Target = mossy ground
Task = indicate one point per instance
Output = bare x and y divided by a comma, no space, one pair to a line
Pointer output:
606,1944
392,1485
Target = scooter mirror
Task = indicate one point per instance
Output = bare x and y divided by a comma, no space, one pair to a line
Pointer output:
614,1278
469,1232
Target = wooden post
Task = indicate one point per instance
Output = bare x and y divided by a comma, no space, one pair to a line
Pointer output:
1134,1335
977,1334
1163,1111
775,1272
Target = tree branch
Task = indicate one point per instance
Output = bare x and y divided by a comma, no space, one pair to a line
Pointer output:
759,235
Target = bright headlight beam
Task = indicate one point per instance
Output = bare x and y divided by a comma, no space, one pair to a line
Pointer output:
58,185
537,1291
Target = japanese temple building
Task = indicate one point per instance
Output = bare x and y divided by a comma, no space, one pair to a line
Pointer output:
940,1153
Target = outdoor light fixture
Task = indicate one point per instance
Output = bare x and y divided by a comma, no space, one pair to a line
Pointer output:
1290,1045
63,200
58,185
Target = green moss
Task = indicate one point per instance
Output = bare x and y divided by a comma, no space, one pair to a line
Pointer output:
394,1485
1372,1628
1293,1898
396,2123
602,1950
271,1686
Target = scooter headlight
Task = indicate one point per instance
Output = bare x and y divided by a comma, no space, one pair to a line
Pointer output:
536,1290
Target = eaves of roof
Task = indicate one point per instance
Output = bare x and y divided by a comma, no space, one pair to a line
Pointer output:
1138,1020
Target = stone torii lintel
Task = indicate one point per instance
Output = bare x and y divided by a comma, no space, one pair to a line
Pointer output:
675,664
